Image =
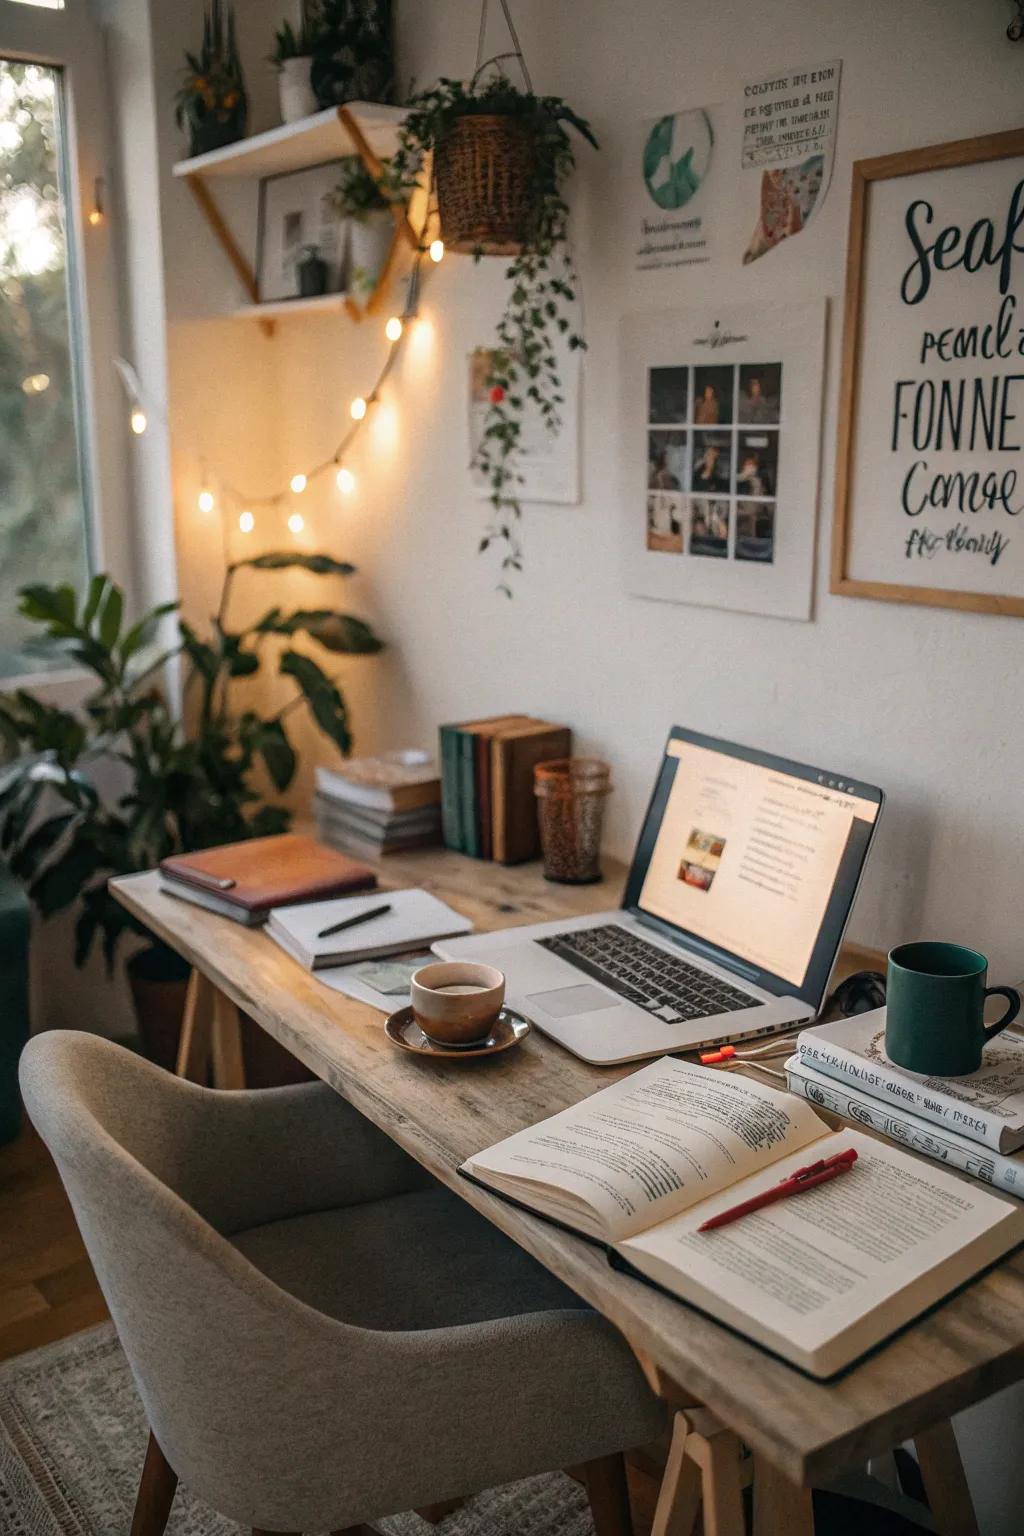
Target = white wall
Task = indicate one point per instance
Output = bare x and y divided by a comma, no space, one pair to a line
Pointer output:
914,699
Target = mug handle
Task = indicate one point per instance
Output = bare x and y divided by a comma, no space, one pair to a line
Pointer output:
1013,999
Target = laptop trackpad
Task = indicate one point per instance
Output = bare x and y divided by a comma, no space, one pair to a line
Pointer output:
565,1002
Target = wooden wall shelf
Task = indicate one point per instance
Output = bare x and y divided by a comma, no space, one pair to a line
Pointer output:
366,129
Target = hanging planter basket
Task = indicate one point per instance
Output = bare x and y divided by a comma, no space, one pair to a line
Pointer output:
485,171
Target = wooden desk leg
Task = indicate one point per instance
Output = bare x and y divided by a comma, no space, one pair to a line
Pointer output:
226,1044
945,1481
781,1508
679,1498
196,1027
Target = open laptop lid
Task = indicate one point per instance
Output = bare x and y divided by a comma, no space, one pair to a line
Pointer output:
753,860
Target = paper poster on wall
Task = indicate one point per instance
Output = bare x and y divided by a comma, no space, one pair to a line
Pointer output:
547,462
721,416
788,147
929,489
674,221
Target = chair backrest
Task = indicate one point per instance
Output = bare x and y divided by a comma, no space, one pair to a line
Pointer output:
210,1340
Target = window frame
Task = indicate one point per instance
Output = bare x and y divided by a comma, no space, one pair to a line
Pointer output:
71,40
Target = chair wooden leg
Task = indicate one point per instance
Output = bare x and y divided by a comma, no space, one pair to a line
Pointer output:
945,1482
156,1493
608,1492
435,1513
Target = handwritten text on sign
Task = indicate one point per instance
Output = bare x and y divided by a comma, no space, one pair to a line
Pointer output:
941,409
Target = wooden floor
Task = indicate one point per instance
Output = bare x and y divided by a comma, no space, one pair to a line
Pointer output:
47,1287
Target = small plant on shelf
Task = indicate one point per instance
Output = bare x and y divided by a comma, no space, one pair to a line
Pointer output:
501,157
353,52
358,194
177,784
294,42
211,102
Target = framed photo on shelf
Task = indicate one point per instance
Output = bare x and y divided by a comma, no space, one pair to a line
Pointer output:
722,420
298,209
929,493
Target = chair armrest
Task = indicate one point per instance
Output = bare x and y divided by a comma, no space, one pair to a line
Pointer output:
249,1157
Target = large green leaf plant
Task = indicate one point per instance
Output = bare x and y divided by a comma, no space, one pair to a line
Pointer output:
177,782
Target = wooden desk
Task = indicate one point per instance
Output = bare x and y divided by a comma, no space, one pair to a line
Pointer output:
803,1431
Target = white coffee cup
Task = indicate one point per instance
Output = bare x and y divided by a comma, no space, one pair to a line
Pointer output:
456,1002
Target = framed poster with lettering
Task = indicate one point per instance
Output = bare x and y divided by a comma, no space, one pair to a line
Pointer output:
929,486
722,414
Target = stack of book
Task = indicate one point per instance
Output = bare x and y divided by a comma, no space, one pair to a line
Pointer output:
384,804
973,1123
488,806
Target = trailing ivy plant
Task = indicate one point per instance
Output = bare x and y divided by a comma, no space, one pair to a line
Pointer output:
541,302
179,784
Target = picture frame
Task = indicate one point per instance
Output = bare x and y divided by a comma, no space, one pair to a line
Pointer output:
297,209
901,530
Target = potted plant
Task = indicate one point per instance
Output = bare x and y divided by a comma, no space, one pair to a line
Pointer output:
292,57
353,52
369,226
312,271
211,101
178,785
500,159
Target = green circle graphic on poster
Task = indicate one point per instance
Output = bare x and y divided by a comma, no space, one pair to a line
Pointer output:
677,155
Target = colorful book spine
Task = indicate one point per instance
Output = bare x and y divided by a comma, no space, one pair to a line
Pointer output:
1004,1171
468,806
451,809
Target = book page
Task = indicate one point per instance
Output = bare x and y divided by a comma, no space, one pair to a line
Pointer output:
806,1269
654,1143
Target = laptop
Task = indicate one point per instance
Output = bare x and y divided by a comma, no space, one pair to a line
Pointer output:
734,911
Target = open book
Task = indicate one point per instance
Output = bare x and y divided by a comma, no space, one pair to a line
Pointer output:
819,1278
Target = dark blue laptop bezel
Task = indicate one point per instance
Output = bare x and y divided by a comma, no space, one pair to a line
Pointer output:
814,986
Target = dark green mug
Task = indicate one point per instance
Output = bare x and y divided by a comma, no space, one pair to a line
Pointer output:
935,1009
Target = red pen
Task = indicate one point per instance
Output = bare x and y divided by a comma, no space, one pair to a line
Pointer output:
804,1178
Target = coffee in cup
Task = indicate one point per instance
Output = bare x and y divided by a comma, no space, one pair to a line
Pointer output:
456,1002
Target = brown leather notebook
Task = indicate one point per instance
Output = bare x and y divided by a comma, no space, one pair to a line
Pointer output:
514,753
246,880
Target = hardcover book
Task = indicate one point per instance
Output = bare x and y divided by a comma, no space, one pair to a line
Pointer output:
245,880
819,1278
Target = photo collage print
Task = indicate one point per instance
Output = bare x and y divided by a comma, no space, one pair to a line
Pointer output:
712,460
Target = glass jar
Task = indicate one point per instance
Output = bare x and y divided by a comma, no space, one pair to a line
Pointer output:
570,794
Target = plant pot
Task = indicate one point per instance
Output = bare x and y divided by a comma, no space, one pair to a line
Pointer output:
369,240
312,277
485,172
209,133
158,980
294,90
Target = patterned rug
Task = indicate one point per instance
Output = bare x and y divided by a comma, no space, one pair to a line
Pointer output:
73,1436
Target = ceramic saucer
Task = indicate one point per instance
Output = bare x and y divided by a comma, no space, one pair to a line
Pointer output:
507,1030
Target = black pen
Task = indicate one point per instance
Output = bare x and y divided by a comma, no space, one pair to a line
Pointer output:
353,922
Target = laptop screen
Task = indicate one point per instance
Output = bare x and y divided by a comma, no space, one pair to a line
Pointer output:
756,858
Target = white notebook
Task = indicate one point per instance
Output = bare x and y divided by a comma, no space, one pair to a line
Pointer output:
415,920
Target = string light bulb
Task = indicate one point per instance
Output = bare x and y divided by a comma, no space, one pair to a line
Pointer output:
357,410
137,421
246,522
436,250
393,329
205,501
95,216
298,484
346,481
296,522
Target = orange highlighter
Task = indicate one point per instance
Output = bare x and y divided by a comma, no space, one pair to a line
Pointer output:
796,1183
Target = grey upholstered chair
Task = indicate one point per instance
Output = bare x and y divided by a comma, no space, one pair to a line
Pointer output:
320,1333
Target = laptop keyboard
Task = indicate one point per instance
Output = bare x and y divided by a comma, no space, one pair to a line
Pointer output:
643,974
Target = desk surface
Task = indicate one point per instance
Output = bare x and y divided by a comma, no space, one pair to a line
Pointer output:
442,1112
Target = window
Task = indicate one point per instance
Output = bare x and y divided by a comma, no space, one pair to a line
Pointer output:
43,514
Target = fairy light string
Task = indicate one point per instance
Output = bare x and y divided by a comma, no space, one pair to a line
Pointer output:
215,492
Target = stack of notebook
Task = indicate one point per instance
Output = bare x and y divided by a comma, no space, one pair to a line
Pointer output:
973,1123
488,806
381,804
